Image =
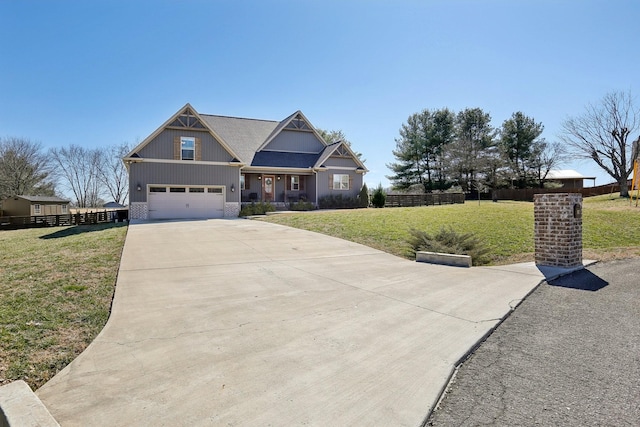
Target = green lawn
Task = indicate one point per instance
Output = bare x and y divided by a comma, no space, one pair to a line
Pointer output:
610,226
56,286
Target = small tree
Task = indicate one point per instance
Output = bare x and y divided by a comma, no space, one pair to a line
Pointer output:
379,197
364,196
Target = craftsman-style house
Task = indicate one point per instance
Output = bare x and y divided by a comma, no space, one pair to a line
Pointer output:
205,166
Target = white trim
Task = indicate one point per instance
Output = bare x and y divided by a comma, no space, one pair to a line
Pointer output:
342,168
182,162
271,169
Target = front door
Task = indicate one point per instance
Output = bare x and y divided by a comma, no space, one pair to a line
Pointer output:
269,188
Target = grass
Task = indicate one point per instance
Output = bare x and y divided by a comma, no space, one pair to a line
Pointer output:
56,287
611,227
56,284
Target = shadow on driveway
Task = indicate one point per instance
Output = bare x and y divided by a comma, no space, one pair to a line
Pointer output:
583,280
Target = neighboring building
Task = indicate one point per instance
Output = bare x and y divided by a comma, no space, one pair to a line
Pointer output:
114,205
34,205
204,166
568,178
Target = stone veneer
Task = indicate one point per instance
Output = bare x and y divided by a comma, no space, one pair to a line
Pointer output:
558,229
231,210
138,210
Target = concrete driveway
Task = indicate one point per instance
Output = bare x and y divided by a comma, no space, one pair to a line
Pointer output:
239,322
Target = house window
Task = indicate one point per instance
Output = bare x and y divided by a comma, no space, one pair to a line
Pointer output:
188,148
340,182
242,182
63,209
36,209
295,183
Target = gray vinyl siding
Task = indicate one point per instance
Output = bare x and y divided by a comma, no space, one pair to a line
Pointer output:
161,147
300,142
340,162
181,174
324,189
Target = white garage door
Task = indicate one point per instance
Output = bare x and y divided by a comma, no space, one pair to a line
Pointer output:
185,202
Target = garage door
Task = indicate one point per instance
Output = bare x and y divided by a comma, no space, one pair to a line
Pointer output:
185,202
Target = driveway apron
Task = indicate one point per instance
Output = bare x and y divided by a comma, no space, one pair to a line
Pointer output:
239,322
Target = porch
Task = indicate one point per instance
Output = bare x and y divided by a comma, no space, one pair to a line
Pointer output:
278,189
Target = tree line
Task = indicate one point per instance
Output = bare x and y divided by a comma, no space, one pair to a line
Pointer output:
439,149
89,175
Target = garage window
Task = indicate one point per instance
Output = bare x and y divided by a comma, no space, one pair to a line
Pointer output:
177,190
215,190
157,190
196,190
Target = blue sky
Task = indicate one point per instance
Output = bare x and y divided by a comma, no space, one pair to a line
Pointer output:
98,73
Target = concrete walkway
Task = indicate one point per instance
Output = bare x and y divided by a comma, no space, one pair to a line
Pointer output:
238,322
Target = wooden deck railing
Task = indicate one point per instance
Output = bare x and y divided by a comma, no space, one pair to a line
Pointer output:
429,199
15,222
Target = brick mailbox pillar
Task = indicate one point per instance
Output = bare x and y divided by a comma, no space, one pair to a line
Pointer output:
558,229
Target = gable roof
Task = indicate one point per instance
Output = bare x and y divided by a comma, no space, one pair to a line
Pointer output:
43,199
330,149
566,174
188,109
244,138
284,123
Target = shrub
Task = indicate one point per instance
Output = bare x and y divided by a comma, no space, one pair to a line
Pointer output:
338,202
447,240
301,206
260,208
379,197
364,196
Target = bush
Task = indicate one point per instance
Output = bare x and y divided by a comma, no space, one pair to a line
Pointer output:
448,241
364,196
338,202
301,206
260,208
379,197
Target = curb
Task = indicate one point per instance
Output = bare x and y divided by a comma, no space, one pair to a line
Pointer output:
19,406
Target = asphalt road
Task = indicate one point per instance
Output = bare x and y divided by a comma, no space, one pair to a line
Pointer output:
569,355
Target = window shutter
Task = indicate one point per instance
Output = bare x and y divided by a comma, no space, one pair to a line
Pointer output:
176,148
288,178
330,181
301,183
198,153
350,182
246,181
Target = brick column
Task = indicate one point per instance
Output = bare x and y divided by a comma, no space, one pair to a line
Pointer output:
558,229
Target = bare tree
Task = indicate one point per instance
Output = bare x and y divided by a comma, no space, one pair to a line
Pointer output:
112,172
77,169
545,157
24,169
603,134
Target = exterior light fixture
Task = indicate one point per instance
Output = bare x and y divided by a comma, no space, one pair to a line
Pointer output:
278,177
138,187
259,176
233,188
